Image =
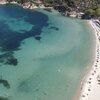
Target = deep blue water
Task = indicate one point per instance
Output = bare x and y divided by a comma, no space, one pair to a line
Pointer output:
11,39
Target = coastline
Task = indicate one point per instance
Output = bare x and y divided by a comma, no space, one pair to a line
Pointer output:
25,5
89,83
91,71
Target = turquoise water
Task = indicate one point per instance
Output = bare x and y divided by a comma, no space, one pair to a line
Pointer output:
42,54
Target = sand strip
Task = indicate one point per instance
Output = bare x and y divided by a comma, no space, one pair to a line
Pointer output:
90,87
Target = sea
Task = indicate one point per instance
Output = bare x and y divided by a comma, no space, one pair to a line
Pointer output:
43,55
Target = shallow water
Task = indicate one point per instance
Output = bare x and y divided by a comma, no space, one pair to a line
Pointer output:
42,54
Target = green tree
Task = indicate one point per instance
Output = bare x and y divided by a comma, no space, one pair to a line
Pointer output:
90,12
48,1
97,11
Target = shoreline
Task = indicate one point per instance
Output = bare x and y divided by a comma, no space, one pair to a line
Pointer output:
86,71
89,81
85,87
27,5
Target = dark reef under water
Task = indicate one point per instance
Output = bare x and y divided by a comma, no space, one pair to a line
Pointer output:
8,58
4,98
10,40
5,83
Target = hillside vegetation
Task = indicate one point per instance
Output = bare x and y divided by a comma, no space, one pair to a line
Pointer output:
89,7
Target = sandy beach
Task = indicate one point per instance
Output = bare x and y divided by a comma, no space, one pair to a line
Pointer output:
90,85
